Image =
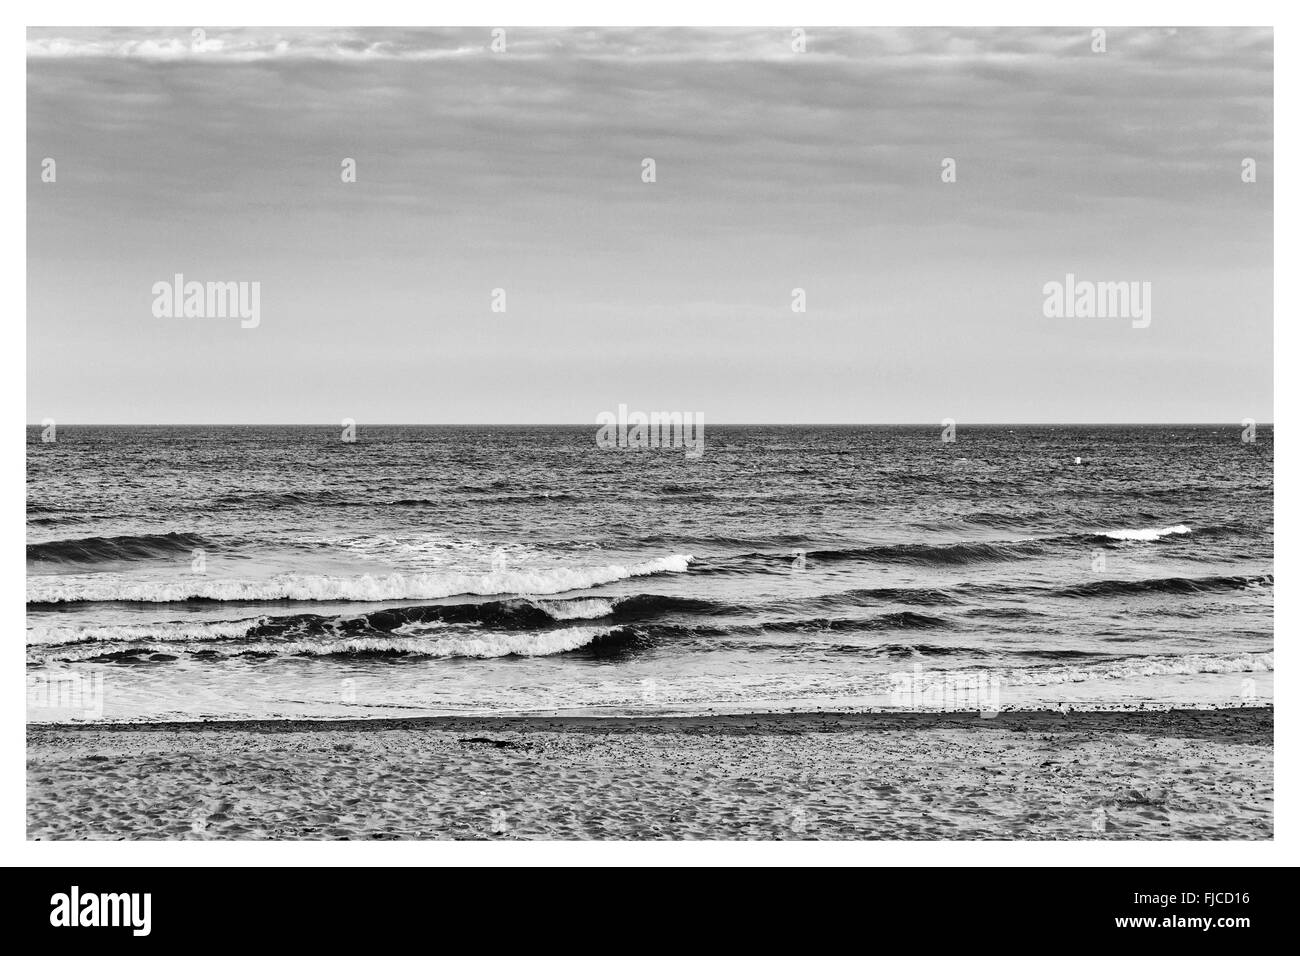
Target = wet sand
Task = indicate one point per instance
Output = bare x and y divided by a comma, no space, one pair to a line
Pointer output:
1033,775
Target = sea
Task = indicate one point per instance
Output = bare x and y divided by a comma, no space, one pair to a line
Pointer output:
246,572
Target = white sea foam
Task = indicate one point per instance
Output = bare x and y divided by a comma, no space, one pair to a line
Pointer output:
1144,667
321,587
165,632
578,609
530,644
1146,534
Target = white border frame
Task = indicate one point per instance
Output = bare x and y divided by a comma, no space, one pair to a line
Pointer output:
13,842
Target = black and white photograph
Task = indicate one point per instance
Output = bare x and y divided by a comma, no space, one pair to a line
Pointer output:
576,434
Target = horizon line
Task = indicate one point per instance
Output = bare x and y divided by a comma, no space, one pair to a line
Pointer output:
925,424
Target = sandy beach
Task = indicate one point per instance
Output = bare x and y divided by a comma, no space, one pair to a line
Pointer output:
1035,775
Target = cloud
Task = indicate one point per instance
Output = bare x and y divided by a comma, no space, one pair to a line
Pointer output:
775,169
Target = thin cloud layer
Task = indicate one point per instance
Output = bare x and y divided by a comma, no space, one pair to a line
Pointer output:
775,169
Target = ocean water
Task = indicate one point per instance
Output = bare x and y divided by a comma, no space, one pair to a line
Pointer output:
187,573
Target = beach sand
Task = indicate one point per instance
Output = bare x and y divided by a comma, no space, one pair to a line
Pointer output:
1035,775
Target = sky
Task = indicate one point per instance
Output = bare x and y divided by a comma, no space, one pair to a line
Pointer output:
220,157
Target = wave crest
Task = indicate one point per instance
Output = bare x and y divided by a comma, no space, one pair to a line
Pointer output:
1145,534
428,645
129,547
426,586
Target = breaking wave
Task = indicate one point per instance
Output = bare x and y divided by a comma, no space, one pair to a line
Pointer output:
392,587
487,645
1145,534
131,547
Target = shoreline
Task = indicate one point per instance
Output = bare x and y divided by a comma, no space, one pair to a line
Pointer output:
1181,721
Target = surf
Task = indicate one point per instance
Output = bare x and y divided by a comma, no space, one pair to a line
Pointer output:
321,587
